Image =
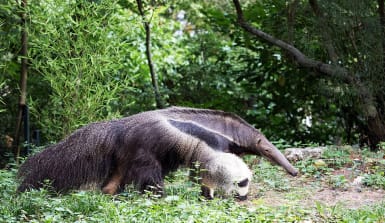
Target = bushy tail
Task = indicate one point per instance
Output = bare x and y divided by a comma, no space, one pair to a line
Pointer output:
64,168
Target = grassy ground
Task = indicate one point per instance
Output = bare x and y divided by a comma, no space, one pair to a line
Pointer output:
324,192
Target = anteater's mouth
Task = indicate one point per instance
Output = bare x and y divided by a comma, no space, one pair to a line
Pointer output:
241,198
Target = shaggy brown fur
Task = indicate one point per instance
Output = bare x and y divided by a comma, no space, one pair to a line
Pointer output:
139,149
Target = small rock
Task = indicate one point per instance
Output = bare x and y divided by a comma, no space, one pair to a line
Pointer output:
296,154
358,181
319,163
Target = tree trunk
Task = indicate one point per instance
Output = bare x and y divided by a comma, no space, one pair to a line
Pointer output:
154,76
376,131
325,31
381,13
23,77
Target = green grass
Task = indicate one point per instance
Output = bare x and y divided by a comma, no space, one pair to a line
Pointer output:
183,202
184,206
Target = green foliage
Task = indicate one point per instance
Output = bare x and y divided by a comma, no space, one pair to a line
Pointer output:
9,65
368,164
83,59
181,205
376,173
276,95
337,214
87,63
270,177
338,157
307,167
375,180
338,182
367,214
228,69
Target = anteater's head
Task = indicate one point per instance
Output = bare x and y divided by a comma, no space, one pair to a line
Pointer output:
227,174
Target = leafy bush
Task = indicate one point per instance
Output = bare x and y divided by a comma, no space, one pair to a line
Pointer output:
78,49
375,180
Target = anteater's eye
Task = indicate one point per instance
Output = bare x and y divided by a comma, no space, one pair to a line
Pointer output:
243,183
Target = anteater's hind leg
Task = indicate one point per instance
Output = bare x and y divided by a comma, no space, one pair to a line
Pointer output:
145,172
113,185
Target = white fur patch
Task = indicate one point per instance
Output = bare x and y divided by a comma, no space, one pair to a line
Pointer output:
224,172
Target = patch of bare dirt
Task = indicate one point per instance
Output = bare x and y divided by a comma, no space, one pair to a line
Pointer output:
352,198
308,192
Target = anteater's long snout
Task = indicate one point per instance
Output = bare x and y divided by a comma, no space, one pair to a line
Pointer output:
281,160
294,173
272,153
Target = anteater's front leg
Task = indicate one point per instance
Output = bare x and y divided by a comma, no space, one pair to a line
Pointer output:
150,178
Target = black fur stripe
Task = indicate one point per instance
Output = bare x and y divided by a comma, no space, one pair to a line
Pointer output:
211,138
217,113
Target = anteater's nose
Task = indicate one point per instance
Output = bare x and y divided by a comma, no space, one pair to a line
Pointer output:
241,198
294,173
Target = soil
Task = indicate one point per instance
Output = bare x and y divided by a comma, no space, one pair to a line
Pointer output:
307,192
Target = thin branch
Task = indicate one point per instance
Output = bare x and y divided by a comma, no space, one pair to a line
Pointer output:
23,77
154,77
381,12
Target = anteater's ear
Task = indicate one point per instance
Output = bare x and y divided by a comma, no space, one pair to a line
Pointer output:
243,183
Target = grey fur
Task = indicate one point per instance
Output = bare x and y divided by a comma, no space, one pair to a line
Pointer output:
139,149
